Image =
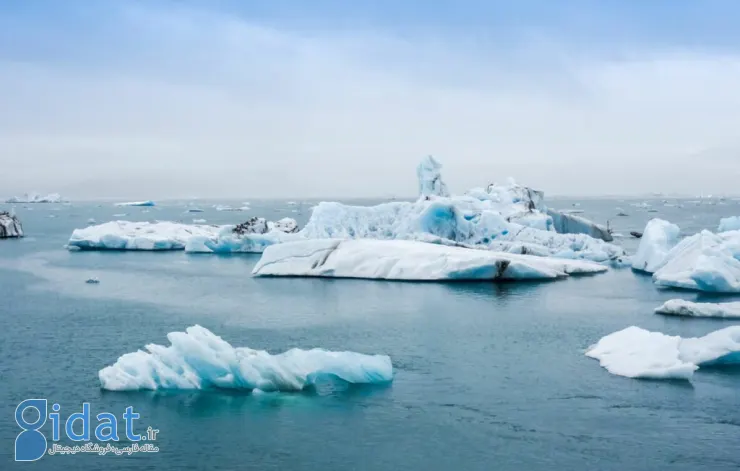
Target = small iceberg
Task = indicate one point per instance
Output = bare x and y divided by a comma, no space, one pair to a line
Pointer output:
658,238
127,235
410,261
681,307
638,353
729,224
137,203
91,221
93,281
10,225
199,221
195,210
199,359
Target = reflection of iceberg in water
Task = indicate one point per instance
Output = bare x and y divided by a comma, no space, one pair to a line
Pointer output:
198,359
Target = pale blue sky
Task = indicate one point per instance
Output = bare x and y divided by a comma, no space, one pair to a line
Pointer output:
151,99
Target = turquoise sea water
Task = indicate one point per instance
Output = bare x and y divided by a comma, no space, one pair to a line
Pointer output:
488,376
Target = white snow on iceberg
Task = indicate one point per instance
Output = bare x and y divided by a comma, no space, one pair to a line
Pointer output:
37,198
409,260
658,238
126,235
638,353
199,359
137,203
681,307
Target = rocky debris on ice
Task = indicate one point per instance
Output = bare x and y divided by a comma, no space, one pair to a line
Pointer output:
638,353
10,225
199,359
430,178
681,307
37,198
137,203
409,260
127,235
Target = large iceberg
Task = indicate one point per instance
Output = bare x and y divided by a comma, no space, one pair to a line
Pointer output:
36,198
409,260
137,203
681,307
657,240
10,226
127,235
252,236
638,353
495,221
199,359
430,178
568,223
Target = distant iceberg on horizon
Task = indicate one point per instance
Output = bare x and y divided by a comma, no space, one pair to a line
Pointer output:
137,203
35,198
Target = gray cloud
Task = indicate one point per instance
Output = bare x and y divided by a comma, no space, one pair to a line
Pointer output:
209,105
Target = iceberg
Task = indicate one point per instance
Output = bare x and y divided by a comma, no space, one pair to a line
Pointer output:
464,221
638,353
409,260
126,235
137,203
705,262
658,238
729,224
199,359
10,225
680,307
252,236
430,178
36,198
569,223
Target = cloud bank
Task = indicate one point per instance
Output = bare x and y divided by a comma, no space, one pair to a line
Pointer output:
176,102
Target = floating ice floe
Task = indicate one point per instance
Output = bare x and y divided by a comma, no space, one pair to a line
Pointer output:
93,281
126,235
226,207
91,221
195,210
638,353
199,359
252,236
681,307
729,224
199,221
36,198
409,260
658,238
10,225
137,203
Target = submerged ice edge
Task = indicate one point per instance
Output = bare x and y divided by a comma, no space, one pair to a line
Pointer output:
199,359
638,353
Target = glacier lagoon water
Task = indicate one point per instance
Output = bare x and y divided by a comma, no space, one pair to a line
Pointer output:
488,376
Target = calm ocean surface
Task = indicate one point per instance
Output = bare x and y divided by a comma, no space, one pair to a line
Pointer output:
488,376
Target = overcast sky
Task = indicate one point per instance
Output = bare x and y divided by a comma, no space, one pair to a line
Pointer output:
336,98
